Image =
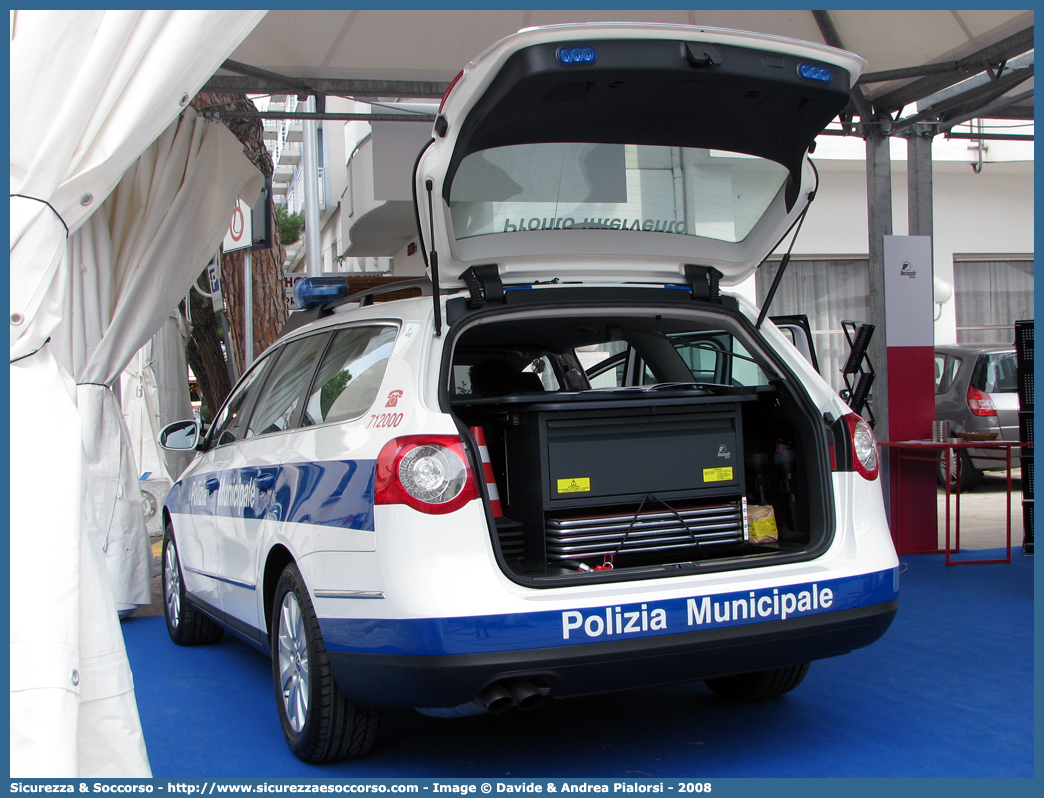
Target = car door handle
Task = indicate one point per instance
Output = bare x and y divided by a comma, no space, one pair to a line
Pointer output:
213,484
265,481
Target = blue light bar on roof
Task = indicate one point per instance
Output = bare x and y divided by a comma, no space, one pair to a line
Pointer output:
820,74
570,56
312,291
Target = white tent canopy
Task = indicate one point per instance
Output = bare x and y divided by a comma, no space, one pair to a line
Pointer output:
433,44
95,103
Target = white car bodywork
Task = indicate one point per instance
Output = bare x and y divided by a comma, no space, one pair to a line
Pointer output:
417,602
410,584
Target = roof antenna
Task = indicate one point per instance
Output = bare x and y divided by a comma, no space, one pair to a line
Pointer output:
433,261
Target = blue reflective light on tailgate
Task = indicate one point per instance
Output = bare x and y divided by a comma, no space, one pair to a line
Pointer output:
569,56
813,72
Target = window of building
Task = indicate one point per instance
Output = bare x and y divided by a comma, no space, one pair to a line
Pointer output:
990,296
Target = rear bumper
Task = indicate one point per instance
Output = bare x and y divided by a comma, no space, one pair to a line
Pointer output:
397,680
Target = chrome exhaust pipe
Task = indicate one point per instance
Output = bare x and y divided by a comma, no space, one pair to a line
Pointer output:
526,695
496,698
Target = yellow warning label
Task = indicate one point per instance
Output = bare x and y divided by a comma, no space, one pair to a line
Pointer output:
574,485
717,474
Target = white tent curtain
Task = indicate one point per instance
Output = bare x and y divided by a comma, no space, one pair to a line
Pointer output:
130,260
153,393
90,92
139,400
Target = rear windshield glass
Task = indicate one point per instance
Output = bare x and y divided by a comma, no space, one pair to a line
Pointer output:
564,186
996,373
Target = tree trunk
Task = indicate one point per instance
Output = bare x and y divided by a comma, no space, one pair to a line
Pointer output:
205,357
269,308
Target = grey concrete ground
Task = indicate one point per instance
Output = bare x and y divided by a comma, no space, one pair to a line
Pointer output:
983,513
156,608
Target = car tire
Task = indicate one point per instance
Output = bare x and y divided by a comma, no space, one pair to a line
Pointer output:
185,625
959,463
760,685
319,723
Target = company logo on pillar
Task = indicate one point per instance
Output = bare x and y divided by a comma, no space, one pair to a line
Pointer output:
907,270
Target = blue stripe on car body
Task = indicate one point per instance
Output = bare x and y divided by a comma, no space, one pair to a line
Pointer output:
329,493
567,627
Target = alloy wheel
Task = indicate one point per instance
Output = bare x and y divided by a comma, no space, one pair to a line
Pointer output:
172,584
293,662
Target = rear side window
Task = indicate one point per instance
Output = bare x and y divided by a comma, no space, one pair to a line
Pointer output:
605,364
282,393
946,368
609,372
231,419
718,357
350,374
544,369
712,356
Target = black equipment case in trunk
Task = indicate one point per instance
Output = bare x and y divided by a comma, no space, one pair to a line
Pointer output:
646,479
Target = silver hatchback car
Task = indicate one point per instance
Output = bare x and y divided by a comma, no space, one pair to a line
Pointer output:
976,391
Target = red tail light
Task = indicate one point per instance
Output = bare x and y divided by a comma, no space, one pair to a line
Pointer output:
980,403
429,473
449,89
864,446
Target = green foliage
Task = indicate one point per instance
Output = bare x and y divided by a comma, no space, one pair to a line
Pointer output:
291,225
333,388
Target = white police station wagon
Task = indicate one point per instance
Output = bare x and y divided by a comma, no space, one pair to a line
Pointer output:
576,466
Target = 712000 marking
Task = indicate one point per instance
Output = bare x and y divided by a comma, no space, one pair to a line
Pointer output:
381,420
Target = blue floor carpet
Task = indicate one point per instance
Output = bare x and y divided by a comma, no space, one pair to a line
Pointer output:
947,692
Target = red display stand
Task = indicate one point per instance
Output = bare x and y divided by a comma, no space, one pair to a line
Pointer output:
936,452
911,387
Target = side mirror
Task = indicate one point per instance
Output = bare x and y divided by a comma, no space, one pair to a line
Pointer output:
181,436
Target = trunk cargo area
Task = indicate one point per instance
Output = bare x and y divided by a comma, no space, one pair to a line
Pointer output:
632,481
